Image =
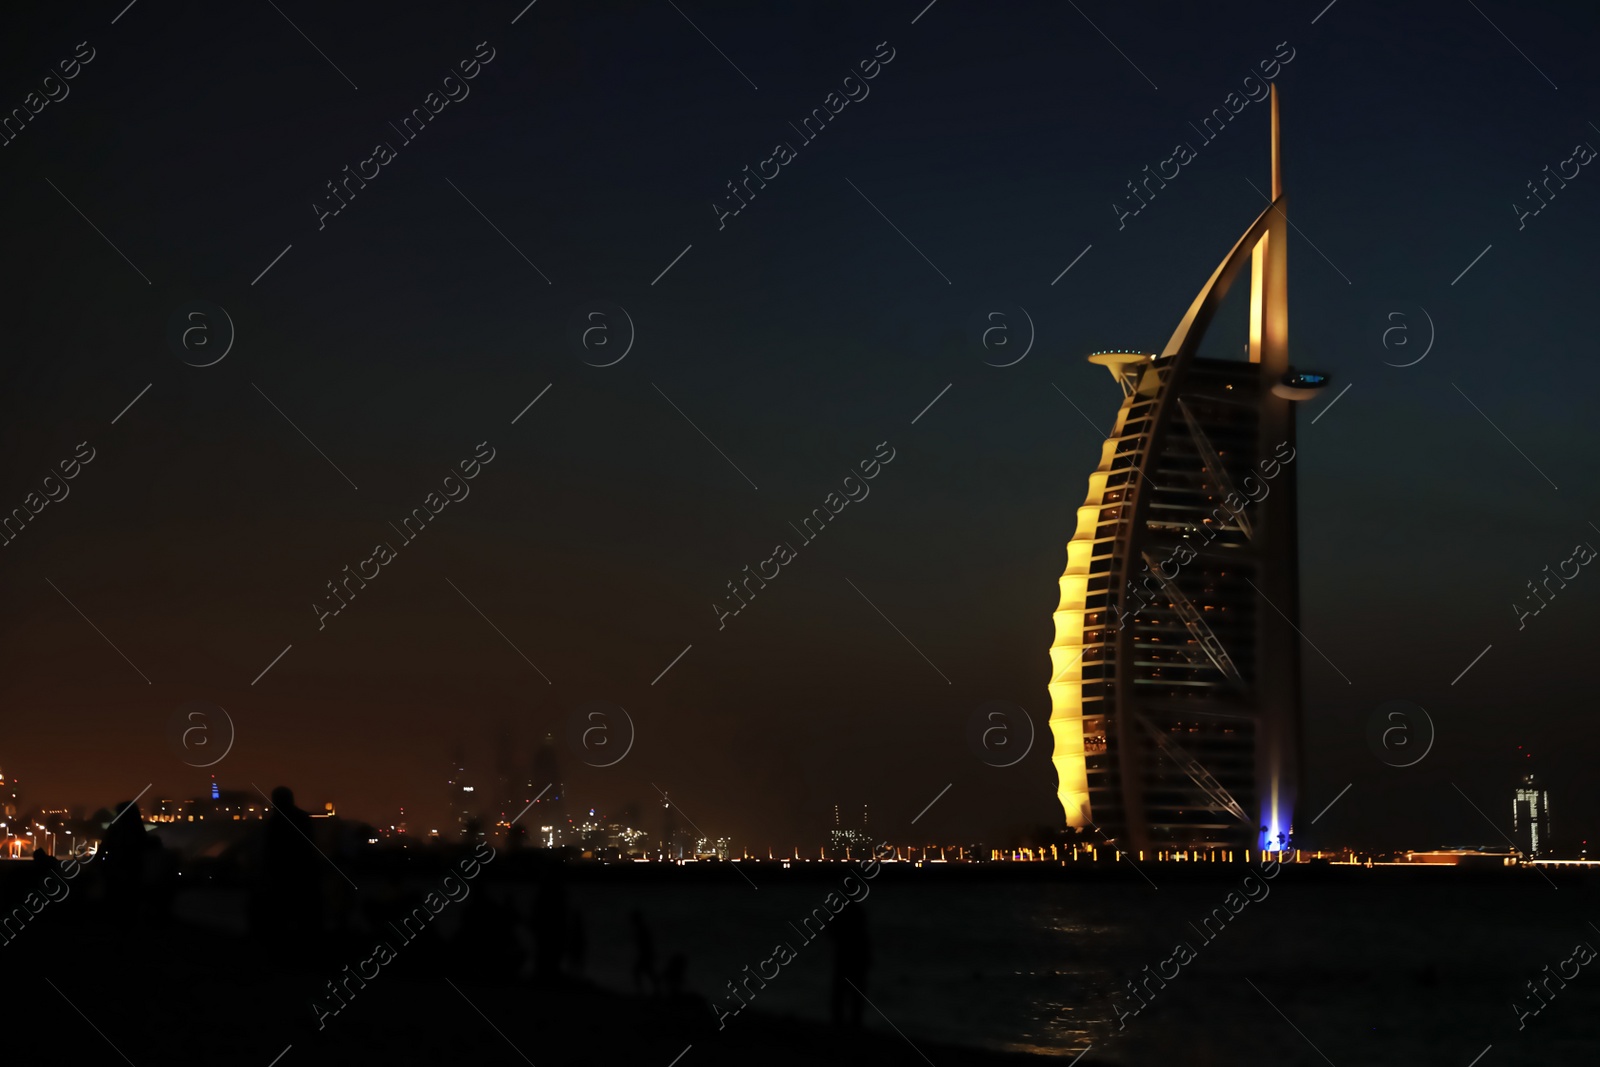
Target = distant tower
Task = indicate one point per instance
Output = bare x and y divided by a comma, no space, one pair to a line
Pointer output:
841,841
505,801
8,800
547,772
669,827
550,808
1530,817
463,796
216,794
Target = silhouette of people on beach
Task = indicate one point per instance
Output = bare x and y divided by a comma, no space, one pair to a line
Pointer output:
487,942
673,975
51,888
852,956
45,864
290,879
644,955
577,943
549,921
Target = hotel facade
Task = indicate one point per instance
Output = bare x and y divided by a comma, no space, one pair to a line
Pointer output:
1175,670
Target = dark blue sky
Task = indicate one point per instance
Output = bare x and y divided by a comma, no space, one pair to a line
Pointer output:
797,338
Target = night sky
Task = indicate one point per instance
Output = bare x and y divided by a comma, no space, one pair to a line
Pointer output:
799,335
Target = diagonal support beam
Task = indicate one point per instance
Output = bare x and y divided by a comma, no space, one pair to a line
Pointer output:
1213,466
1220,798
1195,622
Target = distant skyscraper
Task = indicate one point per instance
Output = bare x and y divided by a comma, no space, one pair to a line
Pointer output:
506,804
547,773
548,816
1530,817
1175,671
844,842
669,828
465,804
9,804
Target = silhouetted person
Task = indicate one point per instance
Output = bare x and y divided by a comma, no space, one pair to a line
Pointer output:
577,943
161,867
47,881
549,922
403,920
852,956
644,955
289,877
122,852
672,975
487,940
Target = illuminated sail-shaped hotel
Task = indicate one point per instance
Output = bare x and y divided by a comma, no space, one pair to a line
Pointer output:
1175,672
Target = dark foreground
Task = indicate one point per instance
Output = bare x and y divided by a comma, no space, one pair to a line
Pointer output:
181,996
541,963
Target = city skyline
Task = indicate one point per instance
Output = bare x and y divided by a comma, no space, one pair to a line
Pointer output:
475,813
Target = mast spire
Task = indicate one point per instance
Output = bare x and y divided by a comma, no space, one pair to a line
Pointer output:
1277,158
